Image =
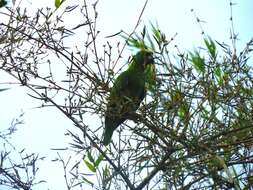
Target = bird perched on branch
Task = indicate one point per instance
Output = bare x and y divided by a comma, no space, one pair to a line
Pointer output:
127,92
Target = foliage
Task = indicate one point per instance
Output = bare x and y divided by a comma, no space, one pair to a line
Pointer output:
194,131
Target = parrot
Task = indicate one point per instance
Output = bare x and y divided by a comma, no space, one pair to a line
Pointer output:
127,93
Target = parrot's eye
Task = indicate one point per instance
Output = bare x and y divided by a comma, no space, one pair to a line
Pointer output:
150,58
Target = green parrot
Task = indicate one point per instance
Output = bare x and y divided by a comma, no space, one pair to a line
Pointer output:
127,93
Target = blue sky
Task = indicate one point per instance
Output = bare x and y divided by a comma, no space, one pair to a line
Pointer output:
45,128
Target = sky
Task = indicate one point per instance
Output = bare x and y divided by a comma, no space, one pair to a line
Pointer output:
44,129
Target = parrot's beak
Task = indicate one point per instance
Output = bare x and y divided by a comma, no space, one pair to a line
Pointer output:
148,60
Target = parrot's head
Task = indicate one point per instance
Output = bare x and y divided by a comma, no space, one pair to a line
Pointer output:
145,57
142,59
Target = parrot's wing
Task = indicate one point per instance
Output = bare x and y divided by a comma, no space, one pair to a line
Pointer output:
121,84
114,116
118,93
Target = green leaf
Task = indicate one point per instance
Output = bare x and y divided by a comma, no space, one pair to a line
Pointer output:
217,71
90,166
198,62
218,75
105,171
182,111
136,42
91,159
57,3
87,181
247,91
98,160
204,113
210,46
157,35
141,42
152,46
143,32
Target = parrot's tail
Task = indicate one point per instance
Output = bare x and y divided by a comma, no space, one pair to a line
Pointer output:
110,126
107,137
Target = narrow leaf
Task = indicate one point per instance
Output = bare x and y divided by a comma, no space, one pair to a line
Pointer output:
198,62
57,3
98,160
105,171
91,159
210,46
87,181
90,166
